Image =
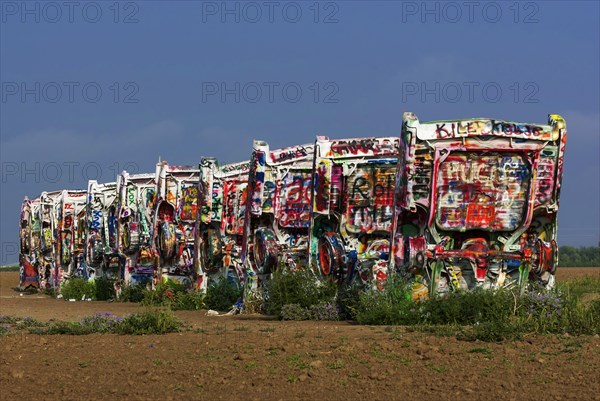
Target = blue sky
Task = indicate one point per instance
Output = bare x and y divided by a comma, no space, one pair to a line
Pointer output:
89,91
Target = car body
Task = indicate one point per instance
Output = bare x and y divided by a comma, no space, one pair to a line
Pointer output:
174,221
476,203
220,223
136,198
351,216
277,221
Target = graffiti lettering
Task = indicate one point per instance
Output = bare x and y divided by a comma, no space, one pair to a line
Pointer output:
374,146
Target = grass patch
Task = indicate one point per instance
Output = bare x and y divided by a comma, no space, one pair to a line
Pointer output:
486,315
147,322
298,295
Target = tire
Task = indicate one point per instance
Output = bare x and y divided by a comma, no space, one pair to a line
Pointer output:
211,250
545,257
414,253
131,237
265,250
167,240
331,255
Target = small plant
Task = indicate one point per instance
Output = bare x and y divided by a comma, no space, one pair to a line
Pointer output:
241,328
132,293
103,289
294,312
78,288
298,287
325,311
173,297
338,364
267,330
149,322
27,322
390,307
100,322
222,294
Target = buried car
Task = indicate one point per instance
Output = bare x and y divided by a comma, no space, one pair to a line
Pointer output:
29,232
351,217
101,257
476,203
47,253
136,197
71,214
277,220
174,221
220,221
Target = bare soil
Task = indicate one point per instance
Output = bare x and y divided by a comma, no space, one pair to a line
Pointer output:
252,357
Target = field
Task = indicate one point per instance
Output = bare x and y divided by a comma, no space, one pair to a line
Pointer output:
251,357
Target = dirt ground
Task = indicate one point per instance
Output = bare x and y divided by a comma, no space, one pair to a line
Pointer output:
257,358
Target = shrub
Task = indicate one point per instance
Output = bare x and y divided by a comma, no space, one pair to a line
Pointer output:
390,307
173,297
296,287
473,307
104,289
325,311
100,322
348,299
149,322
77,288
189,300
222,294
132,293
294,312
99,289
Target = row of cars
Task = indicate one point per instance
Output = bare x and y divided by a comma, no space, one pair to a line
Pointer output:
447,205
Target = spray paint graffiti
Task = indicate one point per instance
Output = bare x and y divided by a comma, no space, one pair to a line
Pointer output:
476,203
134,227
29,230
101,244
219,227
174,222
453,205
276,223
71,209
352,212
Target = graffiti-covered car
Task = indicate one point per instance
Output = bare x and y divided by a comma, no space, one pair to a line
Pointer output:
174,221
136,197
29,230
48,217
71,212
351,221
101,257
221,220
476,203
278,217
